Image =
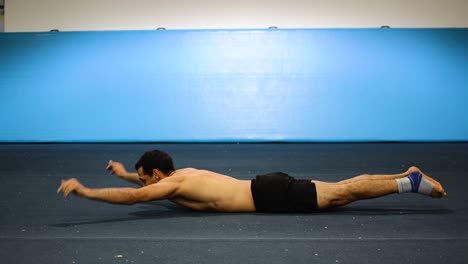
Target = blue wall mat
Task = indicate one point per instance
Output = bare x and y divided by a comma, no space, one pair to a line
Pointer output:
235,85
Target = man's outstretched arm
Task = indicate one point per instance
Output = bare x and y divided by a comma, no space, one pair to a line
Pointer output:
159,191
118,169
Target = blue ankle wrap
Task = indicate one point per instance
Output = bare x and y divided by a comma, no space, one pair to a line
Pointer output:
415,178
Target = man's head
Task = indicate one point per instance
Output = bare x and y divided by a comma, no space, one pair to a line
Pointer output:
154,166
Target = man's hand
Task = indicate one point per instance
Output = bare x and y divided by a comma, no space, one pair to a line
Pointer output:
117,168
71,185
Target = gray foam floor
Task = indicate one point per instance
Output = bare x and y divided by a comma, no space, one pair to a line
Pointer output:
39,226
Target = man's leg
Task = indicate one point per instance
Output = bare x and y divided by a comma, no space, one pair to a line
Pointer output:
338,194
383,176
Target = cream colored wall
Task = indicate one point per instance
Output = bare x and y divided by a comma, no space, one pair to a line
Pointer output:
77,15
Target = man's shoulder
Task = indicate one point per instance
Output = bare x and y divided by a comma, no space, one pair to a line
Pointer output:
187,170
192,171
197,173
186,173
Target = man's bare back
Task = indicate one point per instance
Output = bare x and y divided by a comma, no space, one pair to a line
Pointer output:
209,191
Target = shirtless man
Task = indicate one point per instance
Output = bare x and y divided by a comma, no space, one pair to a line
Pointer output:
204,190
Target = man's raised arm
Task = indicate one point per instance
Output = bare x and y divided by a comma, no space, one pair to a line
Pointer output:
118,169
162,190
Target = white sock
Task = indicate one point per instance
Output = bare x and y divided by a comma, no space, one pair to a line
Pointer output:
404,185
416,183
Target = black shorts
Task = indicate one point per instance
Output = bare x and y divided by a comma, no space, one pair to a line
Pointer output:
280,193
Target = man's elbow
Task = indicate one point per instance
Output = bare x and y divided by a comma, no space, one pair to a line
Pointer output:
133,197
139,196
129,202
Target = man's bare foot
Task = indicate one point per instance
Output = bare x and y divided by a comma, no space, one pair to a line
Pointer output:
438,191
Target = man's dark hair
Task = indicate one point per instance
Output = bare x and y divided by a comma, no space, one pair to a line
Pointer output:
155,159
